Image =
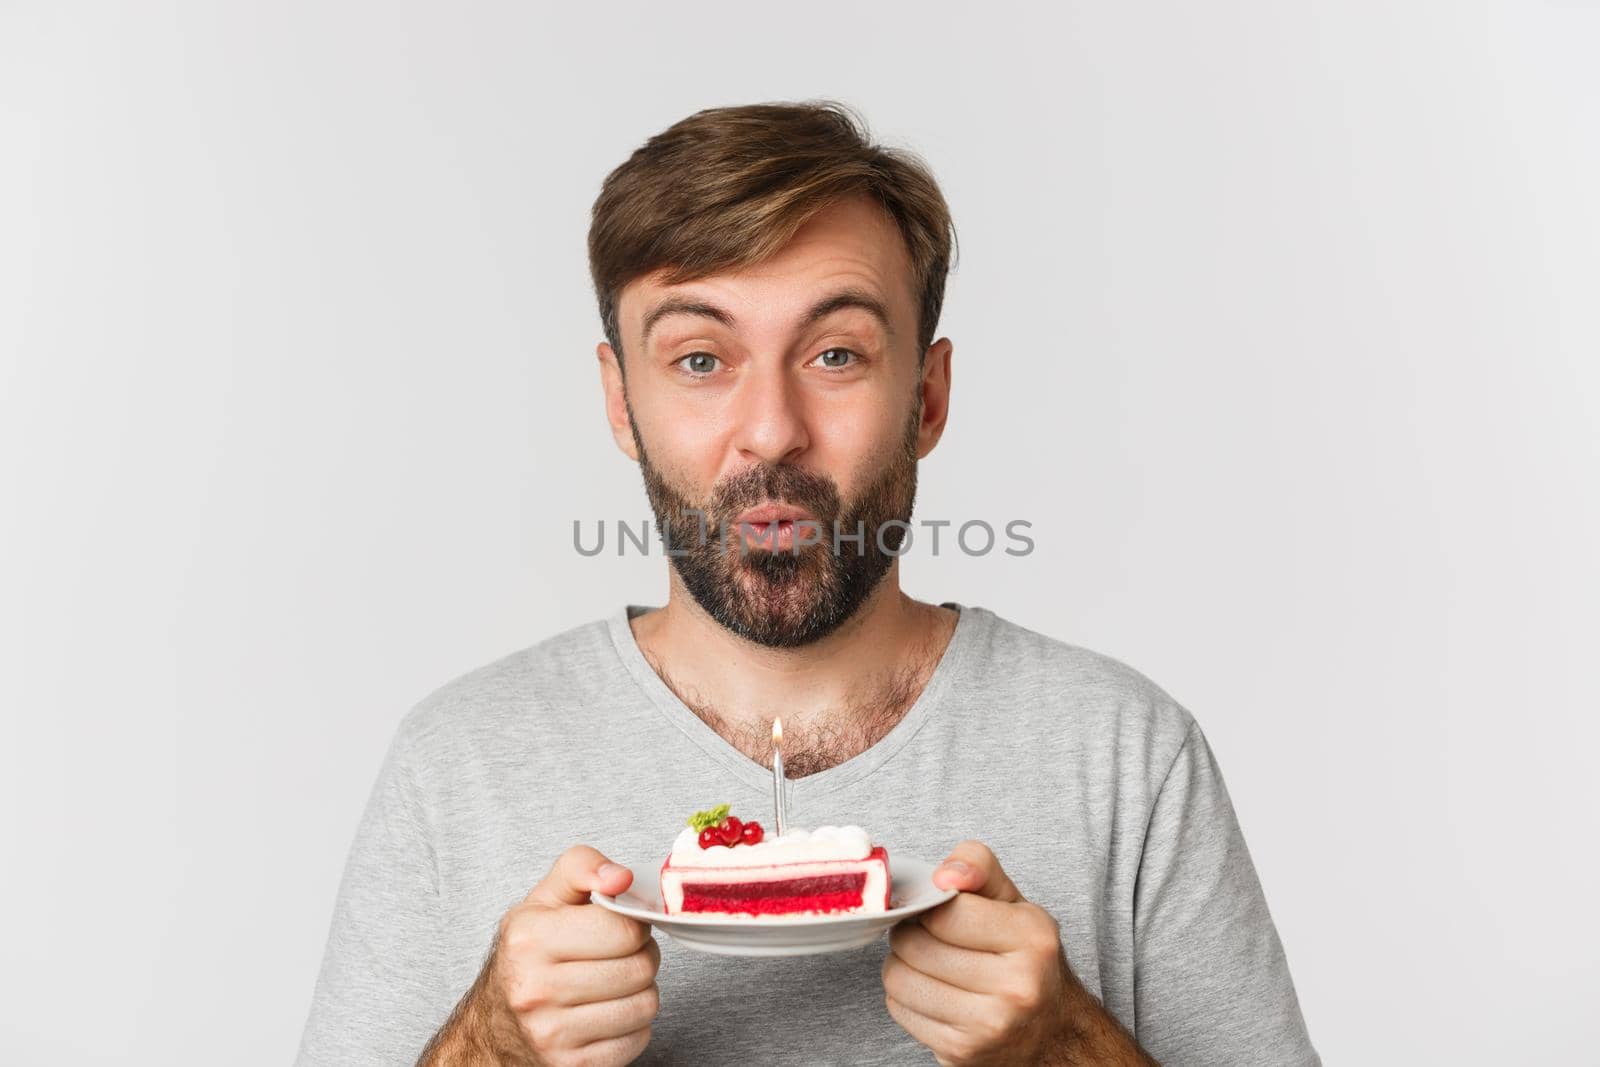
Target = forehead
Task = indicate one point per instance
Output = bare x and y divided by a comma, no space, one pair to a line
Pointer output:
852,244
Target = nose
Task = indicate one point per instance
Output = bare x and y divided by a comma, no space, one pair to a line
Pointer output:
770,414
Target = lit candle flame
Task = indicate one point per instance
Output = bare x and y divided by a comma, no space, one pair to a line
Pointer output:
777,731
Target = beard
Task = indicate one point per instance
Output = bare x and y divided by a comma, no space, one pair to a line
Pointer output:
781,597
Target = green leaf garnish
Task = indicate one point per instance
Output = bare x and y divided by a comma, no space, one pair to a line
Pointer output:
702,819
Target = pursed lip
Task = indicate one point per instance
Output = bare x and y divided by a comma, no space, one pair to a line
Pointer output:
770,513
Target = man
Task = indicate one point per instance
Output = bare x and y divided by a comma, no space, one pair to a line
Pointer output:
769,284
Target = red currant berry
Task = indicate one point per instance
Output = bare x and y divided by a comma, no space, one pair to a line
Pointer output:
730,830
752,833
709,837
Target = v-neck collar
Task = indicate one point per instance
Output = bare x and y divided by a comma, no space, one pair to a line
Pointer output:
970,624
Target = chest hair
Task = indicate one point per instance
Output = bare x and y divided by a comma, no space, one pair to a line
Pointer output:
818,742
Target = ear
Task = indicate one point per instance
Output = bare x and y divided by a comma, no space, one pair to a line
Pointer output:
616,401
935,395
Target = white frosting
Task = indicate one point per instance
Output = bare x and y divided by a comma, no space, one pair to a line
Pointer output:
795,846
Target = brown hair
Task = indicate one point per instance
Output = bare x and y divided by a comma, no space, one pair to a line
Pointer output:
727,187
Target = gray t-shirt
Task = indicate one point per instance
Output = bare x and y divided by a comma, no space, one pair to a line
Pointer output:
1094,788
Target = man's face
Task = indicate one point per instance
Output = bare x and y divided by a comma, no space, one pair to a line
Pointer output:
792,385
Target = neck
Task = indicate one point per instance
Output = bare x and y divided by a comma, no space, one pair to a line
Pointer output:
879,657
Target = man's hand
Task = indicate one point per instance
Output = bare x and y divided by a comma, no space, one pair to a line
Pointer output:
567,982
982,979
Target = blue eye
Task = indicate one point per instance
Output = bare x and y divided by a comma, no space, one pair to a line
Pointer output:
699,363
826,361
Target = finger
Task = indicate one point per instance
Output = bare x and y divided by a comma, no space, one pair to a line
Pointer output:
579,871
974,922
585,1024
964,968
928,1031
972,868
584,933
615,1050
590,981
933,998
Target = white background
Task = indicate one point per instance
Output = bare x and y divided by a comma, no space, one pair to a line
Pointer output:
1279,321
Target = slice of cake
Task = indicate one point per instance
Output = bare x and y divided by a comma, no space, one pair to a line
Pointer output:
722,865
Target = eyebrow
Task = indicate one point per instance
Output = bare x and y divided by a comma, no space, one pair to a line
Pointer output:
844,298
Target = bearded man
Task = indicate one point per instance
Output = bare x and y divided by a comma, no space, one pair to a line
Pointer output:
769,285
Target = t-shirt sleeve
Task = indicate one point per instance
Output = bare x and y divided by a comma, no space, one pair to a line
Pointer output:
376,999
1211,983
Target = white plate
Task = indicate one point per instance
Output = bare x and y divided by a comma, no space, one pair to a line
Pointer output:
911,890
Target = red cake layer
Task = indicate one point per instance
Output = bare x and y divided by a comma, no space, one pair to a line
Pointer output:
826,893
770,905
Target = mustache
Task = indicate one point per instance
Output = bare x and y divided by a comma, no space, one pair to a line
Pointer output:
775,483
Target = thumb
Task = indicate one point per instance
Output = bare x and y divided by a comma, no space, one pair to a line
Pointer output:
972,868
579,871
